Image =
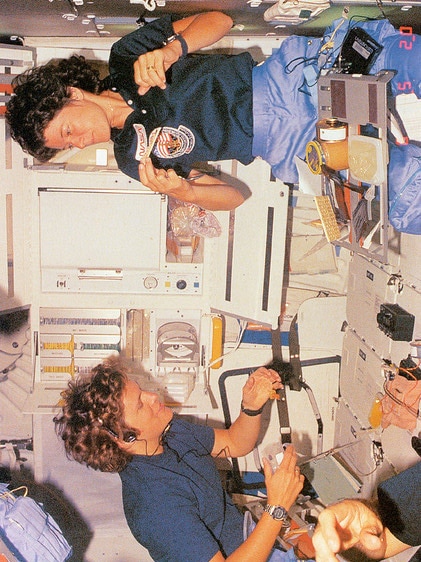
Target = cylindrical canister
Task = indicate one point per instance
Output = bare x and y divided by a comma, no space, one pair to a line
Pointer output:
333,155
331,130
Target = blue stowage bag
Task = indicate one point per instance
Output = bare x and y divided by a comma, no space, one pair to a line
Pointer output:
29,531
405,188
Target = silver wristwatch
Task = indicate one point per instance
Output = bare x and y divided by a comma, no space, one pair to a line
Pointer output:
277,512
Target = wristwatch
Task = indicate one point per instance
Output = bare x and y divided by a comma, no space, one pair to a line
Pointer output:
277,512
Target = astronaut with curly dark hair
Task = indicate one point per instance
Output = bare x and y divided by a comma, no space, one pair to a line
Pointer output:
197,107
65,105
173,498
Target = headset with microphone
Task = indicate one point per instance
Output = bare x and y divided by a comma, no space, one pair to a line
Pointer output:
128,436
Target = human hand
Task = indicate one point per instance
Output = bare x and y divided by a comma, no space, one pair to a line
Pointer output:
165,181
344,525
259,387
149,69
286,482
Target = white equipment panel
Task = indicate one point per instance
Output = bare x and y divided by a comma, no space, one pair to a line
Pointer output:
361,376
361,450
248,261
103,241
368,288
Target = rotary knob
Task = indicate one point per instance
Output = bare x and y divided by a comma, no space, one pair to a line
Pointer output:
150,282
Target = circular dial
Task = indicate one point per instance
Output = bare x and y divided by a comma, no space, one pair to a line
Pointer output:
150,282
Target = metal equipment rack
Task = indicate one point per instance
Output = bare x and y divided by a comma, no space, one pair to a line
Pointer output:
361,100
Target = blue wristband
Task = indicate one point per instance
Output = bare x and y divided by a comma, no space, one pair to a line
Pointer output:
252,413
178,37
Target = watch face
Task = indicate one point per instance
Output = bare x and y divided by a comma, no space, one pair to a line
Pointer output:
277,512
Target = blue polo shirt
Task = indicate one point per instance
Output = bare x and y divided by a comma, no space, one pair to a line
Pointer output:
400,505
206,110
174,503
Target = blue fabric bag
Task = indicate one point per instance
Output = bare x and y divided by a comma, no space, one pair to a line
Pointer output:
277,555
29,531
405,188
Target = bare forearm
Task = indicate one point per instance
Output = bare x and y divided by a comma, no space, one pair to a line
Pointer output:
205,191
214,195
202,30
283,486
258,545
244,433
241,437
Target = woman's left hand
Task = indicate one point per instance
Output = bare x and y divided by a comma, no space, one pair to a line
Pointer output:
259,387
286,482
149,69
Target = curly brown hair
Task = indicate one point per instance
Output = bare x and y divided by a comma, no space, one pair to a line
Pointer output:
93,412
39,94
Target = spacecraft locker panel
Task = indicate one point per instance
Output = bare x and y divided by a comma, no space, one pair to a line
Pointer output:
362,378
410,266
362,450
16,375
248,257
328,314
14,212
408,299
103,241
368,289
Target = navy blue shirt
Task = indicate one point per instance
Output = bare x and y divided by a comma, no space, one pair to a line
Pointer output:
400,506
205,111
174,503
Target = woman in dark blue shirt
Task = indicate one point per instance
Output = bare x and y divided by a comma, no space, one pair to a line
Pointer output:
173,499
167,109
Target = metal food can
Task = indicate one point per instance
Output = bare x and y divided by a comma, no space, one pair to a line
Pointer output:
331,130
333,155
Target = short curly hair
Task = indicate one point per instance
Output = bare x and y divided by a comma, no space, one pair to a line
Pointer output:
92,412
39,93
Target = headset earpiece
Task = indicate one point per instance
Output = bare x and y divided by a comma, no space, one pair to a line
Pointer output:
128,436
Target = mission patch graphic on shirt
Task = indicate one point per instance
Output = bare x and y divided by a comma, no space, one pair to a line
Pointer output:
171,142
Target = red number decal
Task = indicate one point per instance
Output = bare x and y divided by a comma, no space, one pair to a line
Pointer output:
405,86
405,29
406,45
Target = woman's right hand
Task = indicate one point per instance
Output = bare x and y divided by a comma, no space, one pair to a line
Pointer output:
286,482
166,182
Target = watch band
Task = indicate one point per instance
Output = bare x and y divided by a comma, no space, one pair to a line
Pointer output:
251,412
179,37
277,512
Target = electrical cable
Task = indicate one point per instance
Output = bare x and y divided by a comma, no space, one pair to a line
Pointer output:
323,51
243,326
409,407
